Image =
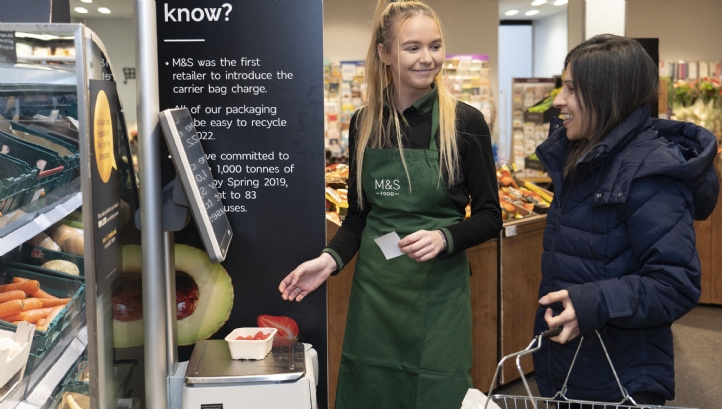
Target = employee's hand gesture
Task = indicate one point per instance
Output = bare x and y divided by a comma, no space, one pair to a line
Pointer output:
307,277
567,318
422,245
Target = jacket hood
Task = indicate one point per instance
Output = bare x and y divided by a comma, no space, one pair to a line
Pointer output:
643,146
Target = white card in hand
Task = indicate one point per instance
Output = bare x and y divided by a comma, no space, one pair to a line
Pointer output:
389,244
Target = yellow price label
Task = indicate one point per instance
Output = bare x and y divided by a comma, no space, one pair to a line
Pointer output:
103,137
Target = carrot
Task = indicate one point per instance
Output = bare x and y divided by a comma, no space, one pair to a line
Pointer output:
30,287
40,323
37,294
53,313
54,302
10,308
12,295
32,304
31,316
42,294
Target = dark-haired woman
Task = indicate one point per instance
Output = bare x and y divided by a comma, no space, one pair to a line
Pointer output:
619,245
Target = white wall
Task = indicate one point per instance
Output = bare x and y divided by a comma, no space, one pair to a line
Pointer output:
608,16
687,29
550,45
470,27
118,36
515,61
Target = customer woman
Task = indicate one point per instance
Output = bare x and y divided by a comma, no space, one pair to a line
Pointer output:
417,156
619,246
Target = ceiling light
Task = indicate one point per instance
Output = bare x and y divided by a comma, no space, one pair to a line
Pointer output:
87,1
104,10
531,12
512,12
561,2
538,2
81,10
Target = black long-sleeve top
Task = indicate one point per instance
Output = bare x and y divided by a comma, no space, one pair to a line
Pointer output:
478,182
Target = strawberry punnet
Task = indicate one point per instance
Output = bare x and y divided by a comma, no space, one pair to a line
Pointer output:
287,327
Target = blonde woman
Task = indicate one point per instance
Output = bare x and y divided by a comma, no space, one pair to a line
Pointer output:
418,155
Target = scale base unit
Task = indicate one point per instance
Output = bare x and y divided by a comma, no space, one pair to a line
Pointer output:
286,378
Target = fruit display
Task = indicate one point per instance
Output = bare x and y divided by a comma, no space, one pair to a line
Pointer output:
204,297
336,191
518,198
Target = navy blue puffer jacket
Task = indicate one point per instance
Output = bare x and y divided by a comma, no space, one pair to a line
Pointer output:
621,240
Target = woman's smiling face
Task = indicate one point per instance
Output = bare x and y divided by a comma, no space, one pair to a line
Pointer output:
416,55
568,102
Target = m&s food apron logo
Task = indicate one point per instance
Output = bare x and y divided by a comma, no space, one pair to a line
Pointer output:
387,187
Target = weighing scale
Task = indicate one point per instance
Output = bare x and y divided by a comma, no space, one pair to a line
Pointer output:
285,378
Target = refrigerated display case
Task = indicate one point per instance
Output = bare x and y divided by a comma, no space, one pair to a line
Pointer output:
46,186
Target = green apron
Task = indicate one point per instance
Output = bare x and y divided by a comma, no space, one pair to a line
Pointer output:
408,332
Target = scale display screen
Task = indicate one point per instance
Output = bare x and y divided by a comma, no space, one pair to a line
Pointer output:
197,181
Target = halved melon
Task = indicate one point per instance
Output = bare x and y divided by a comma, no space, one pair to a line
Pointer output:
212,297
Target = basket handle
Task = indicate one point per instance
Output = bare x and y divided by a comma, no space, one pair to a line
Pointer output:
534,346
551,332
625,395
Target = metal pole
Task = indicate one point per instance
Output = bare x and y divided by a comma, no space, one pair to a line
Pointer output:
171,317
155,325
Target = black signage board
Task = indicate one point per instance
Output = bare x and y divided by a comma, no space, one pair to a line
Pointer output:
105,182
35,11
8,54
251,74
197,181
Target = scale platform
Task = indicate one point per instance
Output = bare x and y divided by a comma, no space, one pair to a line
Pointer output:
284,378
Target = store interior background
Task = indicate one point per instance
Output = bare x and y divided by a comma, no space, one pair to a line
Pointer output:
687,30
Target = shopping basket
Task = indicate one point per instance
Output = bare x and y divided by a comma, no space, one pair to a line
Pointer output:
559,401
51,166
68,153
17,183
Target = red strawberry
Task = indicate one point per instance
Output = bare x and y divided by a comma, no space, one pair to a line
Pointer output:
259,335
287,327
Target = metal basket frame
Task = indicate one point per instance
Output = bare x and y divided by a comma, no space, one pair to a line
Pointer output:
559,400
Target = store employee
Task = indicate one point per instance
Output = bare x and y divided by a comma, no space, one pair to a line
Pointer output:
417,156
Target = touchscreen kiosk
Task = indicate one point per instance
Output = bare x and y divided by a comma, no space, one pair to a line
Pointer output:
197,181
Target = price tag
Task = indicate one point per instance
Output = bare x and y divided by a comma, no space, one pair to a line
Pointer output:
42,221
77,345
41,394
83,335
62,210
510,231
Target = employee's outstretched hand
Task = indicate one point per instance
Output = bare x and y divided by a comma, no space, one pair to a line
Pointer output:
422,245
307,277
567,318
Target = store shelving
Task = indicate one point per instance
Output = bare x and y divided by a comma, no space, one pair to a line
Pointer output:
35,222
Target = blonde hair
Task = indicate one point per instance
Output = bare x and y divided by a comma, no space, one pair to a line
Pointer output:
380,88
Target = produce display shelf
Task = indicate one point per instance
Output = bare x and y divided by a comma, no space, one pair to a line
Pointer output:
46,378
40,222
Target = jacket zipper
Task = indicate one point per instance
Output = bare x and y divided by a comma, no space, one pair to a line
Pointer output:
560,206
